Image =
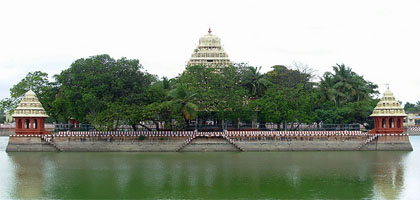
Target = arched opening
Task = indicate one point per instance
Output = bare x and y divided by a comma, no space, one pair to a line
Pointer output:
383,123
35,124
398,123
27,123
391,123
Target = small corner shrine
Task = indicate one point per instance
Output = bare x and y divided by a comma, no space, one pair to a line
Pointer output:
388,115
30,116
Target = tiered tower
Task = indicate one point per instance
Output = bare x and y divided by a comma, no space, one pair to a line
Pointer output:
388,115
30,116
209,52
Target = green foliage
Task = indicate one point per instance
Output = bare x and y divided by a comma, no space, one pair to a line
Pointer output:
287,105
255,82
345,97
182,100
37,81
103,91
218,93
412,108
106,93
44,89
282,77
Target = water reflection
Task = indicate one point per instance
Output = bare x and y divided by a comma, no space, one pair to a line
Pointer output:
389,174
29,182
302,175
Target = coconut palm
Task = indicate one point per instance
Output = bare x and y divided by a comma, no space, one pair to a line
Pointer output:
182,100
344,85
255,82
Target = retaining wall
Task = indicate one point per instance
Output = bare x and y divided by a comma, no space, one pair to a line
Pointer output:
29,144
215,141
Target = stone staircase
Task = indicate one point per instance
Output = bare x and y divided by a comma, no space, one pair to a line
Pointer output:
232,142
367,141
48,139
191,138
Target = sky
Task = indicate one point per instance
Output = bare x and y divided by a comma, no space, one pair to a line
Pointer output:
378,39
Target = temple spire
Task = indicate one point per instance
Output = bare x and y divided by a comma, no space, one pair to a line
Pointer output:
209,52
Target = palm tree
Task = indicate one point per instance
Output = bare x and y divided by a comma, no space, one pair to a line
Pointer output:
183,100
255,82
344,85
344,79
326,86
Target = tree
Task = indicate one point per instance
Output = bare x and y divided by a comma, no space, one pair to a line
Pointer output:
412,108
345,97
219,94
253,81
102,91
282,77
182,100
43,88
287,105
344,86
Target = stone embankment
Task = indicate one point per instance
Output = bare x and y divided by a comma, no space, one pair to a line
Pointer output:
413,130
189,141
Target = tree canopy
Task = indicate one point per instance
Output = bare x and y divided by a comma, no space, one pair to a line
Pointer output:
107,92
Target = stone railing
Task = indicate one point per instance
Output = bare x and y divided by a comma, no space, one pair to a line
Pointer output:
210,134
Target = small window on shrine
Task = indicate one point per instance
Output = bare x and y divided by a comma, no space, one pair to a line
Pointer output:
20,124
27,123
391,123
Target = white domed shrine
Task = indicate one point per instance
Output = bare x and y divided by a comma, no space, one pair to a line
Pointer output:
209,52
30,115
388,115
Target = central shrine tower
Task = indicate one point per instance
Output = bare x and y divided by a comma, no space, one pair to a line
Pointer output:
209,52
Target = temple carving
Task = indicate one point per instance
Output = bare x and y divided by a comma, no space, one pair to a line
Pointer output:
209,52
30,116
388,115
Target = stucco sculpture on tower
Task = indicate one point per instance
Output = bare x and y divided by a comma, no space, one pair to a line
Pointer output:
209,52
388,115
30,116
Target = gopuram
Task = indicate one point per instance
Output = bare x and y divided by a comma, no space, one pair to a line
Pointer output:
209,52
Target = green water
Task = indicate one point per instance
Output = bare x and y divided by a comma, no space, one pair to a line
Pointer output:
288,175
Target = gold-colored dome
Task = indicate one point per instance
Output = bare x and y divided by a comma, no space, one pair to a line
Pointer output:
30,106
388,106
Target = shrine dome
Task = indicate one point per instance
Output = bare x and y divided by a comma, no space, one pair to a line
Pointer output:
29,106
388,106
209,40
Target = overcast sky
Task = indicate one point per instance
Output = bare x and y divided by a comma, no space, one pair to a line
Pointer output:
378,39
